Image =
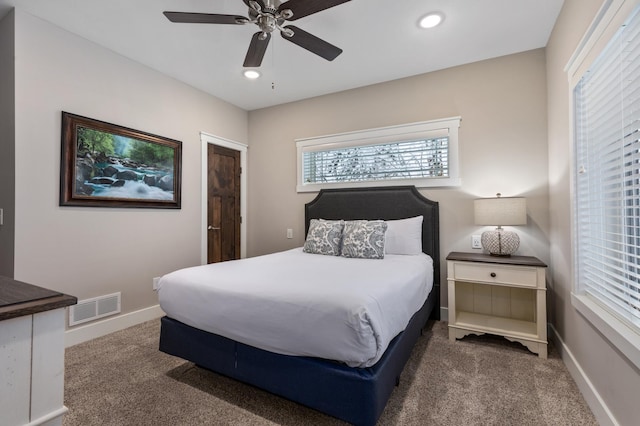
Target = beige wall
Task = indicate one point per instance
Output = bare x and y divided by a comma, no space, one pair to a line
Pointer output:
89,252
612,377
7,152
503,146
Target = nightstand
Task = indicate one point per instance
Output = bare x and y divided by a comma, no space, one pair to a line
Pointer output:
505,296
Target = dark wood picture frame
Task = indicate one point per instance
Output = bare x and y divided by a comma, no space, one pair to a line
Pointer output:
105,165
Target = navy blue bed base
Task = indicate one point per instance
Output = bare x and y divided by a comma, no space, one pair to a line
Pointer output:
356,395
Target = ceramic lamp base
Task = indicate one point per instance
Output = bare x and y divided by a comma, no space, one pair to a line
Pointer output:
500,242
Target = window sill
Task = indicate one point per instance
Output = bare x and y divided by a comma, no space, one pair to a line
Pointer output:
623,337
418,183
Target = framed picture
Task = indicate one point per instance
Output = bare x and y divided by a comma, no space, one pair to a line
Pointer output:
104,165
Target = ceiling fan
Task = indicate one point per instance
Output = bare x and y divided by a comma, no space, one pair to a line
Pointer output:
270,15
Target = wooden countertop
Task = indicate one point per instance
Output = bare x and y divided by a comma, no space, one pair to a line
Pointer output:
19,299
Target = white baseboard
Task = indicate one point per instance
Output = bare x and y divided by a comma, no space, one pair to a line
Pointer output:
444,313
600,410
53,418
96,329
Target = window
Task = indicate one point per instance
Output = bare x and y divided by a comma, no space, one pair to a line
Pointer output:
606,103
422,154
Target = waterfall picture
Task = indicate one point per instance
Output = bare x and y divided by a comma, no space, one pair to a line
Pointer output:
104,165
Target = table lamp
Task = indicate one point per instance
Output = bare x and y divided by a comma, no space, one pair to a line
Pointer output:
499,211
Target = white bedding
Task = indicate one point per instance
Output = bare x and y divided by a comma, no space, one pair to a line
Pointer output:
296,303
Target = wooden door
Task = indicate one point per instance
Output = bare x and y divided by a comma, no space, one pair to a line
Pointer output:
223,204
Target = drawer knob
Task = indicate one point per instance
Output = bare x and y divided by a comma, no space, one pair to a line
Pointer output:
493,275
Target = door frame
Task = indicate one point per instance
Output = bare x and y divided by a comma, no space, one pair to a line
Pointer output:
206,139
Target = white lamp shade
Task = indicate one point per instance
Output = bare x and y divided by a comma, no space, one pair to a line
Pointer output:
500,211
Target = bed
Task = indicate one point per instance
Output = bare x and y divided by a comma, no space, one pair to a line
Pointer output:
356,393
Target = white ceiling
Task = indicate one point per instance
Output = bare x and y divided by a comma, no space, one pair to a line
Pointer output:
381,41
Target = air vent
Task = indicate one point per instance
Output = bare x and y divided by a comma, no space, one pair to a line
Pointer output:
92,309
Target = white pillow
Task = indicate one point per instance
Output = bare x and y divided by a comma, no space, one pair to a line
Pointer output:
404,236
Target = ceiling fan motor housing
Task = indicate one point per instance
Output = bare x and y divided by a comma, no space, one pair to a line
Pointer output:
268,18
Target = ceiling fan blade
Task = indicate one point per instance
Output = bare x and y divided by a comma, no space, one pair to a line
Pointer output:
312,43
302,8
204,18
256,51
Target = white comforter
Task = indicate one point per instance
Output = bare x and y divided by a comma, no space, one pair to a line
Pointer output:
295,303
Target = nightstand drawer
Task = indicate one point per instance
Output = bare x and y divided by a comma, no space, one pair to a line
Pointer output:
496,274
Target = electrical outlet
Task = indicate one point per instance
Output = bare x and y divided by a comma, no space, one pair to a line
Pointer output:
475,242
289,233
156,280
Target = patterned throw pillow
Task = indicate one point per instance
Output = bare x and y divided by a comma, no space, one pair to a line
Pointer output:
364,239
324,237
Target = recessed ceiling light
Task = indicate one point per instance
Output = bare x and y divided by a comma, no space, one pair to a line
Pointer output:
251,74
431,20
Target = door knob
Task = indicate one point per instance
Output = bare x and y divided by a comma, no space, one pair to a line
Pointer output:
211,228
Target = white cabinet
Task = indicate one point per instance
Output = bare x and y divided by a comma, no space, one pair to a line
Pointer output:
505,296
32,322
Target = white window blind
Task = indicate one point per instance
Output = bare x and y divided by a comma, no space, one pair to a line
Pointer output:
422,154
607,181
400,160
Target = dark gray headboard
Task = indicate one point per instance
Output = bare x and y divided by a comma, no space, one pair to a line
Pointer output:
386,203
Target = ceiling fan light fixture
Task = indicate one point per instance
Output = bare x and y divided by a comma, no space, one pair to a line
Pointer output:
251,74
430,20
